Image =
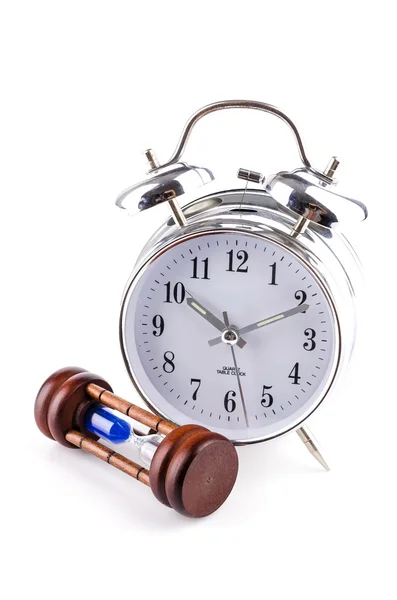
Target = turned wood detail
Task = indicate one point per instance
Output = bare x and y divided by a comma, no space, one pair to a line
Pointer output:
126,408
107,455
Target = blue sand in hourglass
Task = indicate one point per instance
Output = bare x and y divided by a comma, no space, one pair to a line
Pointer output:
106,424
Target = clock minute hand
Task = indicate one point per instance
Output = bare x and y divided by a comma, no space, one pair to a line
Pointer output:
264,322
284,315
209,316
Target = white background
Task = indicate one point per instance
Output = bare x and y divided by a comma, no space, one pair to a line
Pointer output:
85,87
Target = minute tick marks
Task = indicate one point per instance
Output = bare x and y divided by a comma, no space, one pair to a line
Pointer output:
187,369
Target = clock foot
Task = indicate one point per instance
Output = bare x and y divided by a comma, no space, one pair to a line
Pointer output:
307,438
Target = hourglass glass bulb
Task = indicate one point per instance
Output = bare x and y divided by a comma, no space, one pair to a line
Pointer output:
107,424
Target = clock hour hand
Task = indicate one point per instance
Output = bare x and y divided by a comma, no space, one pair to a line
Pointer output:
209,316
263,322
205,313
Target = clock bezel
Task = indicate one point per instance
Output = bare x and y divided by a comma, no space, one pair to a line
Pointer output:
287,244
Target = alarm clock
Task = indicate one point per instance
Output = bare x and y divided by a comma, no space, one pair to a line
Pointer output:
239,315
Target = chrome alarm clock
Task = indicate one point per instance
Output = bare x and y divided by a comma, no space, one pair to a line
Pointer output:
240,314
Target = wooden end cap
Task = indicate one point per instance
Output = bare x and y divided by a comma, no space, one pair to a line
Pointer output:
62,402
46,395
194,470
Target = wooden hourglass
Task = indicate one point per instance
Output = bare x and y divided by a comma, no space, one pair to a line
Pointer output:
191,469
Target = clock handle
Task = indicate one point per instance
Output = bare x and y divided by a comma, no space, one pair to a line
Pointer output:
227,104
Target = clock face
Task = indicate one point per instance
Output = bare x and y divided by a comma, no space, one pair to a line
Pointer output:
232,331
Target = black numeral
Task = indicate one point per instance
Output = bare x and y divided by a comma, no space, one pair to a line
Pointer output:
310,344
168,365
195,269
229,403
198,381
274,269
241,255
178,292
267,399
301,296
295,374
158,323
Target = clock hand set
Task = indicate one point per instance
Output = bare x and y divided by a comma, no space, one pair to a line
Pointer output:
209,316
263,322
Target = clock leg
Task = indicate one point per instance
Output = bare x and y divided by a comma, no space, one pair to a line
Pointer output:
311,444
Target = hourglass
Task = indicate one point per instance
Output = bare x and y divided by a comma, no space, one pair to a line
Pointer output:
188,468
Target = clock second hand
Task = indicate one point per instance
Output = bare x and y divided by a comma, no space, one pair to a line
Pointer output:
226,319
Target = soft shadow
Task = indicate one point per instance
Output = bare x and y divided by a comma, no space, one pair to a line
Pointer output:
124,494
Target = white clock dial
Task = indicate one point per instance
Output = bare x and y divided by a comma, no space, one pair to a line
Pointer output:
214,331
